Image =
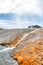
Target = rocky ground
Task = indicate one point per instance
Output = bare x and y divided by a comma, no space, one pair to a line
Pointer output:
5,58
21,47
30,49
8,38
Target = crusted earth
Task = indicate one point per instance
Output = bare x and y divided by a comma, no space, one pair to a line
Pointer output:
29,51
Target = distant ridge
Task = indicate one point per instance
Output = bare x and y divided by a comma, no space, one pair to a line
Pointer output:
1,29
34,26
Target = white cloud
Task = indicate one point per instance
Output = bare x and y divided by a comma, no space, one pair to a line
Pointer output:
20,6
30,6
41,6
16,24
6,6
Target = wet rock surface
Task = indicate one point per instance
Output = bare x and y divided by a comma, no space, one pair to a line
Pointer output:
5,58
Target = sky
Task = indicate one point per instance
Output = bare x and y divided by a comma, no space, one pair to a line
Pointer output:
20,13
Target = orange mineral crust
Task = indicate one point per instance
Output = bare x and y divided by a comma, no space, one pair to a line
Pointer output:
15,41
32,52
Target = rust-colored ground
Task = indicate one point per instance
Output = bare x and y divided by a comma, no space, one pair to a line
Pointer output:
15,41
32,52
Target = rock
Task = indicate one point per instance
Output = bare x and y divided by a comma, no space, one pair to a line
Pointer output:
5,58
7,37
30,50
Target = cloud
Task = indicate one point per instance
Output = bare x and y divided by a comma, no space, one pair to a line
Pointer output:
41,6
6,6
22,21
11,24
20,13
30,6
18,6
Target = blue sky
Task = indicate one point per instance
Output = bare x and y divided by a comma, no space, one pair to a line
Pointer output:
21,13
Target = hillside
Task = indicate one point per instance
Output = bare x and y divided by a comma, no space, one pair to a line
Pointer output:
8,36
8,40
21,47
29,51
